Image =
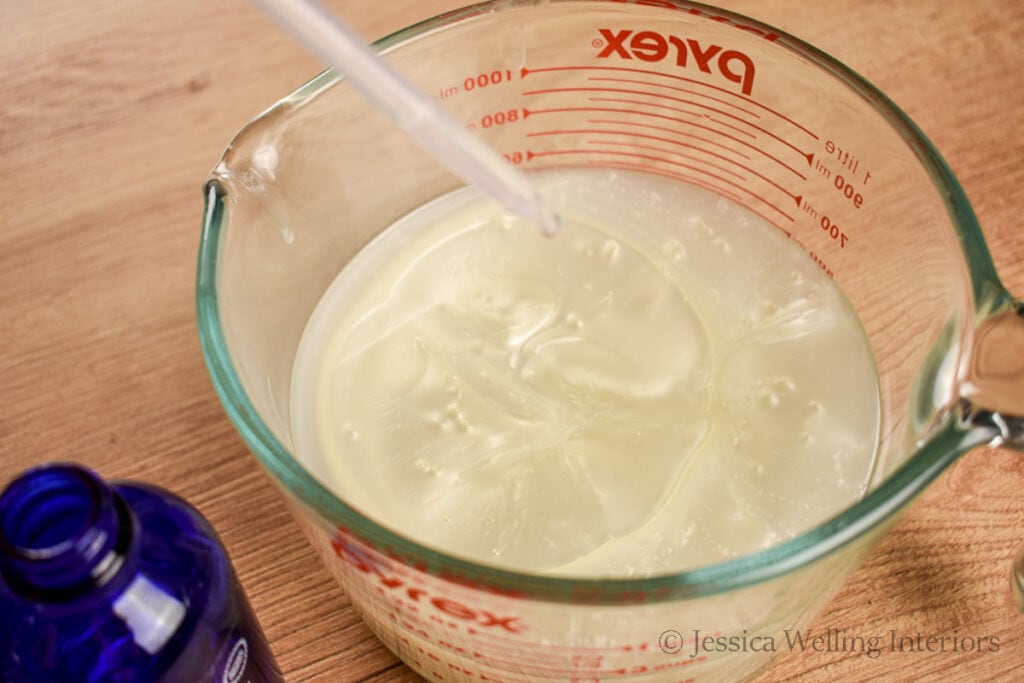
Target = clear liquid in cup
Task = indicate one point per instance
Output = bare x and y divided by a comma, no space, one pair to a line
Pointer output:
666,383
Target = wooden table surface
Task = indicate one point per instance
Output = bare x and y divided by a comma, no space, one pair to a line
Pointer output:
112,112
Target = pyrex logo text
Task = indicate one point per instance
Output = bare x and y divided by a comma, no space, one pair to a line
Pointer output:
650,46
367,564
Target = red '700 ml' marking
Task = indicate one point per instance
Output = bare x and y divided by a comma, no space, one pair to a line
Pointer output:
364,562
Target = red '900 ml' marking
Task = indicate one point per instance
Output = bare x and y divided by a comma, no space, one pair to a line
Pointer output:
848,191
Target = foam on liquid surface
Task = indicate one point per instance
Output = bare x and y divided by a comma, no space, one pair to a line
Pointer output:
666,383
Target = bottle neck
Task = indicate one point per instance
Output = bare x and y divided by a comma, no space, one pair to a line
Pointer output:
64,532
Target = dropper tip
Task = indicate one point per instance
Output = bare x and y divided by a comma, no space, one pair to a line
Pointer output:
550,223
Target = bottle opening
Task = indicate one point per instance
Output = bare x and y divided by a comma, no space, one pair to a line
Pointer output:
43,512
61,532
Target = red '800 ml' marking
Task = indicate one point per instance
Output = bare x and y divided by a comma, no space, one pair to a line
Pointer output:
366,563
651,46
499,118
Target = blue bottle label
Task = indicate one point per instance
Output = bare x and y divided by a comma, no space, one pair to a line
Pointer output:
246,656
248,662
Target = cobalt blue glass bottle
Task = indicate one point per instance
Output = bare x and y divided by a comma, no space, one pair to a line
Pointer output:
118,582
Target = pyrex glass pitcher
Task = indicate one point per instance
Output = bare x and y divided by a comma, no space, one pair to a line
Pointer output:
675,90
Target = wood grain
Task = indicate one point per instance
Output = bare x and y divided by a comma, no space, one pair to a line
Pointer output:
111,115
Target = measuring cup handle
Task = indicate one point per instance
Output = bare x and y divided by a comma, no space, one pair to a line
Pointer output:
993,387
1018,579
993,391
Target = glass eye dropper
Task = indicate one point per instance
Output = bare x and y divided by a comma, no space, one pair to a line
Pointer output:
412,110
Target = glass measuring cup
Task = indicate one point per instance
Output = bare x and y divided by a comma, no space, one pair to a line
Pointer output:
691,93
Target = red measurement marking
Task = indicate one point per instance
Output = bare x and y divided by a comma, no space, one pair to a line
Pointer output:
807,155
704,140
627,91
536,662
661,149
742,188
581,667
642,136
651,137
629,648
702,117
648,72
652,84
637,155
533,112
552,652
706,185
516,648
548,671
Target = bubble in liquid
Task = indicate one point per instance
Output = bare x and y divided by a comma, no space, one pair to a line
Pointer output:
350,431
425,467
740,438
573,320
675,250
610,251
777,391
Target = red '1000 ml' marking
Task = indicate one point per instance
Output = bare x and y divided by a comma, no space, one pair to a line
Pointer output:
486,79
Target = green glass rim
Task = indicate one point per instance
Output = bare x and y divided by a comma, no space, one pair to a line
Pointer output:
950,439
